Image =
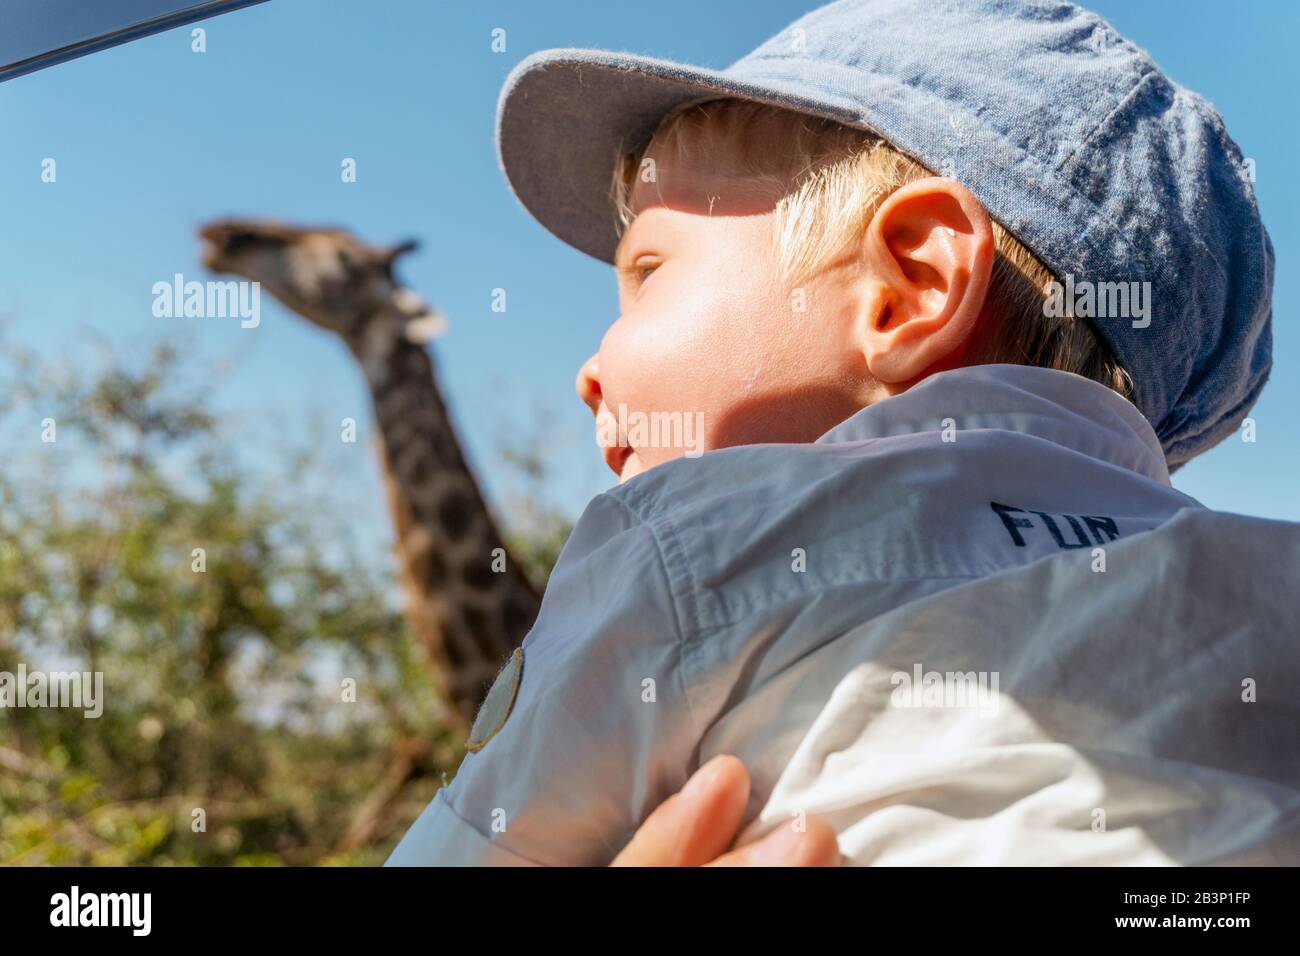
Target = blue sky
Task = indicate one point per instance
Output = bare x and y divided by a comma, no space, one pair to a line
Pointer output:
151,140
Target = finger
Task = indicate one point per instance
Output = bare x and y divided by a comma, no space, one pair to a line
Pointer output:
692,827
786,846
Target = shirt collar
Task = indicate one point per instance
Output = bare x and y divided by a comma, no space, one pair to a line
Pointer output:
1061,407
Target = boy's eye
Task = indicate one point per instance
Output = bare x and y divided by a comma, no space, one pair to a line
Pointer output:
642,269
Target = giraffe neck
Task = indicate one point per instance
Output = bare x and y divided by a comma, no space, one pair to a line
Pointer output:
469,602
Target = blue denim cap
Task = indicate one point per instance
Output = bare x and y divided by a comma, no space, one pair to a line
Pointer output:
1070,135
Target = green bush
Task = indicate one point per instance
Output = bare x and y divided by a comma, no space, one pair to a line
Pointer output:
223,688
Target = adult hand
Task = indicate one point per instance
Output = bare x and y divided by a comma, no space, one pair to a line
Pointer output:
696,827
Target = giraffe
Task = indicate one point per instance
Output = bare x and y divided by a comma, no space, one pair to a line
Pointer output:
467,610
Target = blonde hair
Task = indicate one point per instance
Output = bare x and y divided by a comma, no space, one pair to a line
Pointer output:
827,181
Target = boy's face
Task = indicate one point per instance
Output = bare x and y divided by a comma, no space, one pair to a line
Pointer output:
708,330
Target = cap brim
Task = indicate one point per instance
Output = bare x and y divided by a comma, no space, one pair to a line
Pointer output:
565,115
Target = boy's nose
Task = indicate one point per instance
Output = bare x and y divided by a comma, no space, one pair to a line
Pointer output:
588,383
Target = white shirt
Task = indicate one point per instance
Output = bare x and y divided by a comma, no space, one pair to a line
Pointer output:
1133,694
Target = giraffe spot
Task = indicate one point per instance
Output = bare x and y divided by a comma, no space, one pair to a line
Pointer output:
381,391
417,363
517,618
478,575
445,447
420,470
450,647
455,514
474,619
429,568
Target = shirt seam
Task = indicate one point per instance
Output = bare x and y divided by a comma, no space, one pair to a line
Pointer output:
705,629
447,805
661,549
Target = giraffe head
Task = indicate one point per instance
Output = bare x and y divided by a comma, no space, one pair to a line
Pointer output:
325,275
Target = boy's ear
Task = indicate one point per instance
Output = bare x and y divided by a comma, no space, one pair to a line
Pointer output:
929,254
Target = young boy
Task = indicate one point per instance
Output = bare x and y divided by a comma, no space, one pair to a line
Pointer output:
943,295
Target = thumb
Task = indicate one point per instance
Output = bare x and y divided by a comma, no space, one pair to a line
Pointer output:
694,826
785,846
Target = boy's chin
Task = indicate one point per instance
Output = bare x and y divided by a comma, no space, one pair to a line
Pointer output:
632,467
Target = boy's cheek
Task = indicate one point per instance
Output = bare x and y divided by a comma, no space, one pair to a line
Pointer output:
638,369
